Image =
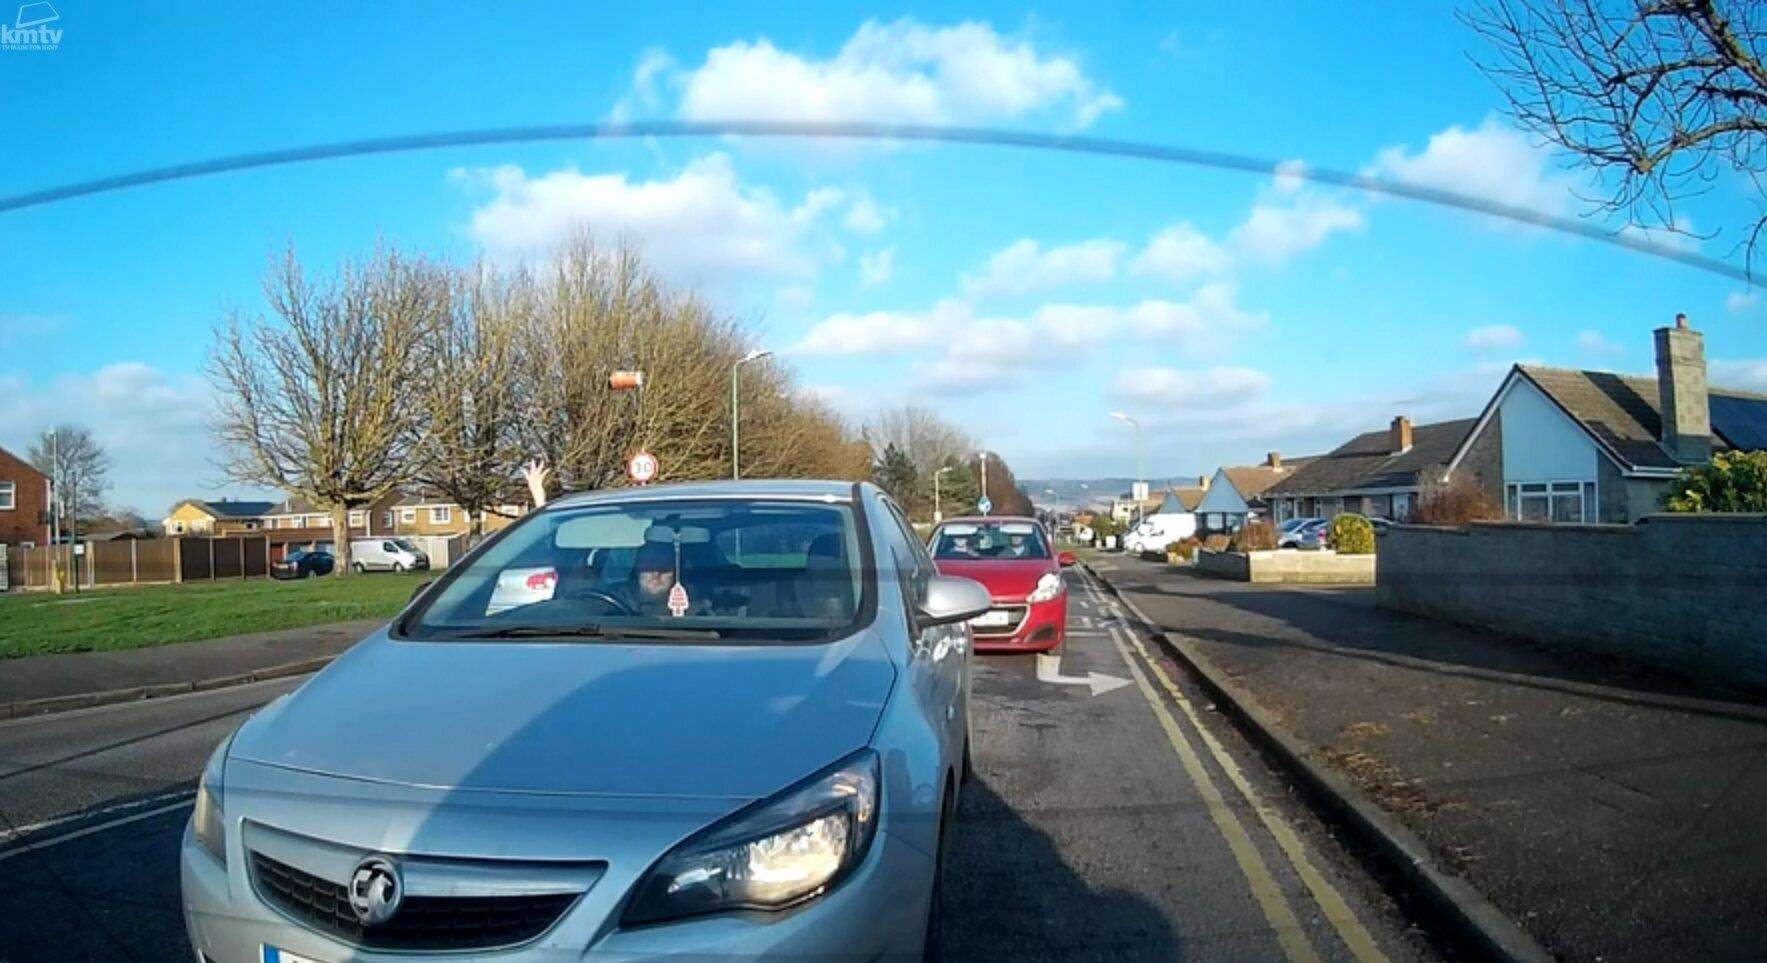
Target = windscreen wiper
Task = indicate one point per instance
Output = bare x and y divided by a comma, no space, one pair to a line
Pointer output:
588,631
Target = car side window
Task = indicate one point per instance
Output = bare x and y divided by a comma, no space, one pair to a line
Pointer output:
913,565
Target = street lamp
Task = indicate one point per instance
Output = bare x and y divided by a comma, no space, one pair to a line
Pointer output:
984,457
755,355
1140,476
938,514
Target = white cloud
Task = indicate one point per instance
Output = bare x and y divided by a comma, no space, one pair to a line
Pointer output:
1290,177
1274,232
876,267
900,71
1209,322
1594,342
1024,266
702,224
865,216
1207,388
154,426
1737,302
1747,373
1494,337
1490,161
1178,254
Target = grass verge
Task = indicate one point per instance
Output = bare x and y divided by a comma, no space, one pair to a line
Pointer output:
131,618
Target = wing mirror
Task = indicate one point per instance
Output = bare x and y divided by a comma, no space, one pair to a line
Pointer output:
952,599
1065,559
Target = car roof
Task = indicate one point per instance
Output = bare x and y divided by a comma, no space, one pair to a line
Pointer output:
749,488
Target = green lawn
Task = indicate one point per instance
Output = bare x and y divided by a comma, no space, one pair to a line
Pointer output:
130,618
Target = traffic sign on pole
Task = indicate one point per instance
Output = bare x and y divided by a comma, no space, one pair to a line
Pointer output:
642,467
984,506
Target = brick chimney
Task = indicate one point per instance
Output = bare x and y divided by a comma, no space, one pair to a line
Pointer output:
1681,392
1399,435
1273,460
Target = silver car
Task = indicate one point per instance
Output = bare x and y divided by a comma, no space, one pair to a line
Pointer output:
675,722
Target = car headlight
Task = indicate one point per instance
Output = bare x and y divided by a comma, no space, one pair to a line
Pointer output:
777,853
1048,587
209,825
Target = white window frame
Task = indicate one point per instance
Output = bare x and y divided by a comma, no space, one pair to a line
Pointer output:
386,519
408,516
1518,494
441,514
357,518
8,496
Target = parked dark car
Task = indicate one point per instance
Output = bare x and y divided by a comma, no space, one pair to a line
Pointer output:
303,563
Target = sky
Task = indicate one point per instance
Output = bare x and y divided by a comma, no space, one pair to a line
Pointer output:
1025,295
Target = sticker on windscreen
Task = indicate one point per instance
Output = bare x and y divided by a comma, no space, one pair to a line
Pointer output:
517,587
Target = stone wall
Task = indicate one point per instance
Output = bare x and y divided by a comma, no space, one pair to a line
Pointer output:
1683,592
1288,566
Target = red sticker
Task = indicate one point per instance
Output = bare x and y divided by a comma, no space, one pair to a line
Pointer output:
678,601
541,581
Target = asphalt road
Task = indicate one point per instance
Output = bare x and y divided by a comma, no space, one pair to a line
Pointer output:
1115,816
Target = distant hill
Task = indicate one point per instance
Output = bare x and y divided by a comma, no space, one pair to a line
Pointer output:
1080,492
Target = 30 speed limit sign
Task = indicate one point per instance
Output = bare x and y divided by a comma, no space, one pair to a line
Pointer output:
642,467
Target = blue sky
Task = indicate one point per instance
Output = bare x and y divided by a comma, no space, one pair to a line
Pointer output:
1026,295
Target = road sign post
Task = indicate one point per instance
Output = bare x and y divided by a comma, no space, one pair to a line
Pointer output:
641,468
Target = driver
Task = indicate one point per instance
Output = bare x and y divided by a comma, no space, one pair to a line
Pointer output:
1020,546
653,575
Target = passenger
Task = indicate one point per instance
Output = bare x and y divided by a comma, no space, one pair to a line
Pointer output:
1020,546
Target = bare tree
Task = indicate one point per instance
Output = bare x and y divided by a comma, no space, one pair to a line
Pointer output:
320,399
78,470
467,392
926,438
1659,97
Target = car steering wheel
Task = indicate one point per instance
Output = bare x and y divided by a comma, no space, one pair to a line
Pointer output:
613,601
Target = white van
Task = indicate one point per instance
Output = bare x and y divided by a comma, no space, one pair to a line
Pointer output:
386,555
1157,531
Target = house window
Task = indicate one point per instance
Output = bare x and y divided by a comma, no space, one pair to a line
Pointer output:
408,515
1402,507
316,521
1559,501
358,519
386,518
174,528
440,514
8,496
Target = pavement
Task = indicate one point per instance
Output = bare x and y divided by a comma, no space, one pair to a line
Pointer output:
1134,823
1614,813
52,683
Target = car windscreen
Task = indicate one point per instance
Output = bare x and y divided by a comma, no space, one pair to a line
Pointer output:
984,540
754,570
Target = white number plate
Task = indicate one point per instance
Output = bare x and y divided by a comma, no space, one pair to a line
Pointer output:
991,620
271,954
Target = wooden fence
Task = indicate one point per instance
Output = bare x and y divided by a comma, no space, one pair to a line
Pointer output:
141,561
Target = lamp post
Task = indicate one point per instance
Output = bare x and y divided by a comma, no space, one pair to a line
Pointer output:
938,513
1140,476
756,355
984,458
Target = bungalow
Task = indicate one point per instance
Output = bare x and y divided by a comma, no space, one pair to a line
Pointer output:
1236,494
1172,500
221,516
1595,446
24,498
1379,473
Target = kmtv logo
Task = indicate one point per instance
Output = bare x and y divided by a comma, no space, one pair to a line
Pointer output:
31,29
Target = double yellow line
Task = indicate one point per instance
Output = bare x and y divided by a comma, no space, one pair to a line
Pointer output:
1264,887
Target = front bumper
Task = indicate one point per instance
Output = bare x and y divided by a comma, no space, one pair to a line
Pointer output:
878,912
1040,629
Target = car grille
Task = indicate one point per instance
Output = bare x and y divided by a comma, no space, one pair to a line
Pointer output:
422,922
1015,615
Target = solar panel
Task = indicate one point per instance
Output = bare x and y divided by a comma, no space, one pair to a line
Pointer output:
1741,421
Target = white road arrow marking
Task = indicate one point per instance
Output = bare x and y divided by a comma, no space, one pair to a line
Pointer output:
1049,670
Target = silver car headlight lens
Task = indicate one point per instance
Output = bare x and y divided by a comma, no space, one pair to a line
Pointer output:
208,822
774,854
1048,587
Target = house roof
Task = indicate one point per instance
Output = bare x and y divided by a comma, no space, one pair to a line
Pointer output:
227,507
1252,480
7,456
1622,413
1367,461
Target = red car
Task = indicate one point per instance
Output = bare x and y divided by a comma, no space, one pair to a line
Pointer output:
1012,557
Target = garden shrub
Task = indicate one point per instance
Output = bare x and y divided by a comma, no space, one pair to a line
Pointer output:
1255,537
1734,481
1217,543
1455,505
1350,535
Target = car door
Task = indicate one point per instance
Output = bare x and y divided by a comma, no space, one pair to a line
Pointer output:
938,654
